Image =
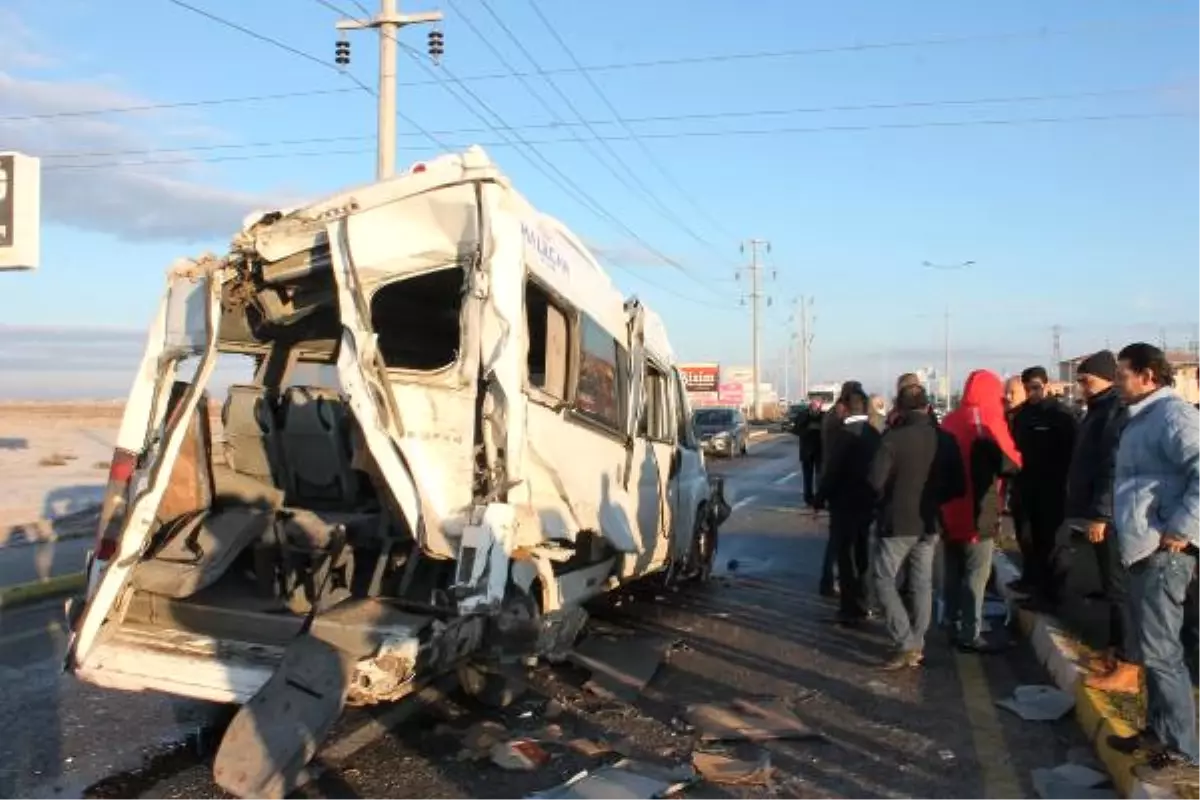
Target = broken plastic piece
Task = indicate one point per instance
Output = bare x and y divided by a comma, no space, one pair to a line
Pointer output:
754,720
519,755
721,769
625,779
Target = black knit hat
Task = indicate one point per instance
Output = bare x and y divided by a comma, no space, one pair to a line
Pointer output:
1100,365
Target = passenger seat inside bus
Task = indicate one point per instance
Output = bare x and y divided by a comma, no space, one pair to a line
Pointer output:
314,440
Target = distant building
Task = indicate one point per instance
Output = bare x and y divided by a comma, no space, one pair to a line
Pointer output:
1184,362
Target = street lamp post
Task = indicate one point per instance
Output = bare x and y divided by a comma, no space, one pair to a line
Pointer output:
946,319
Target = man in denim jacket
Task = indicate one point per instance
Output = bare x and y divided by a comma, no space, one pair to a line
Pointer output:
1156,513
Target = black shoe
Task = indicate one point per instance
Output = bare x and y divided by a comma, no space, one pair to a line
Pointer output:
848,620
978,645
1141,742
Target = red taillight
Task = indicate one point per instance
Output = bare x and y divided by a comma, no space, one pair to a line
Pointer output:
112,513
418,168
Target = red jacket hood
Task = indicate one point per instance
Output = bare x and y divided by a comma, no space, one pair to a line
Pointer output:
980,414
983,406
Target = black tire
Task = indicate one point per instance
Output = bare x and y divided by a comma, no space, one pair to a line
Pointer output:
703,553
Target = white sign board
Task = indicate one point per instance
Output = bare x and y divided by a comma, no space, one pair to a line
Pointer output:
20,211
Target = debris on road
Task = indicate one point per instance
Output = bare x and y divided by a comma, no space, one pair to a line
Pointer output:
756,720
1071,781
519,755
481,737
1038,703
722,769
589,748
625,779
946,755
621,665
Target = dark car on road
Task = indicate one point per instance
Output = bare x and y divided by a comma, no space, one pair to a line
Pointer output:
722,431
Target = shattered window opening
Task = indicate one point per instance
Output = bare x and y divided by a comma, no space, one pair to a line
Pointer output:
601,386
655,423
548,330
418,320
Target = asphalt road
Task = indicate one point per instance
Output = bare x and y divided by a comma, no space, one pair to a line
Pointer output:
25,563
759,630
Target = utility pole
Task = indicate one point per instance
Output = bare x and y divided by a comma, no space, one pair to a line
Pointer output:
756,295
949,388
951,267
1057,351
804,322
389,22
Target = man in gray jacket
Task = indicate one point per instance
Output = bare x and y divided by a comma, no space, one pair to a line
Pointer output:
1156,513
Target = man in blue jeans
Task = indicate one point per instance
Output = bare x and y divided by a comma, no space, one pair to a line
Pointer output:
910,479
1156,513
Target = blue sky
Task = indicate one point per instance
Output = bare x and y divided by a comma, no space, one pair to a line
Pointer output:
1091,225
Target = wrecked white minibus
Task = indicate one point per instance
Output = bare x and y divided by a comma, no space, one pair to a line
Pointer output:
499,436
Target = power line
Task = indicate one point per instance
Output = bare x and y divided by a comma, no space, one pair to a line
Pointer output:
634,182
1123,25
559,178
612,109
307,56
704,115
1014,122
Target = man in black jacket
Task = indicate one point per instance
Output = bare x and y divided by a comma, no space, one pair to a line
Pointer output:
808,430
915,470
1045,434
1089,509
848,494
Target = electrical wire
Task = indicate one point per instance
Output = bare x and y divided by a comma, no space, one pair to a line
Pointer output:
999,100
612,109
1123,25
532,155
667,135
634,182
308,57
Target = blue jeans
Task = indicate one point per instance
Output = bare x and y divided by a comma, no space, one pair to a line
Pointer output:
1158,586
895,553
968,566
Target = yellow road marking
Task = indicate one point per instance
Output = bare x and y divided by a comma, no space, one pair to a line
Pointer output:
987,735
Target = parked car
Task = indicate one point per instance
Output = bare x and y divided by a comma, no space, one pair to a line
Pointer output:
722,431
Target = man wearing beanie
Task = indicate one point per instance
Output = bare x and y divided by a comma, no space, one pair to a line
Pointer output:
1045,434
1089,509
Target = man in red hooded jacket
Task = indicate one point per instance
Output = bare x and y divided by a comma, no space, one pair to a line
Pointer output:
988,454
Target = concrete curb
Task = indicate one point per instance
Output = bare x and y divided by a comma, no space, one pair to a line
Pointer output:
26,593
76,525
1061,655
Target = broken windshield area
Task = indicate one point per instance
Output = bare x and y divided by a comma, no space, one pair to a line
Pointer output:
418,320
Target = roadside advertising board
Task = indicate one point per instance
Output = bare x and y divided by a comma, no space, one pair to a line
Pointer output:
701,377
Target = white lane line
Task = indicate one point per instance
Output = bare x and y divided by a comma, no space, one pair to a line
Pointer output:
787,477
744,502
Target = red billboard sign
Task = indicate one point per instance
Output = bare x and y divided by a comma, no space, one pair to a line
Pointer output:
700,377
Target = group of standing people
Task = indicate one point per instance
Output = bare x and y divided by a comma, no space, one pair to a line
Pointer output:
1124,481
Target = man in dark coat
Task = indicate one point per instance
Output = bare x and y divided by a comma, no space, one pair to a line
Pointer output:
808,430
1045,433
848,494
1089,509
1014,401
911,476
830,423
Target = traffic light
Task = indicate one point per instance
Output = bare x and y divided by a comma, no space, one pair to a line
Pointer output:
341,52
437,45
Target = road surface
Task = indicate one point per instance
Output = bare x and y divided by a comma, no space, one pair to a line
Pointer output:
759,630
